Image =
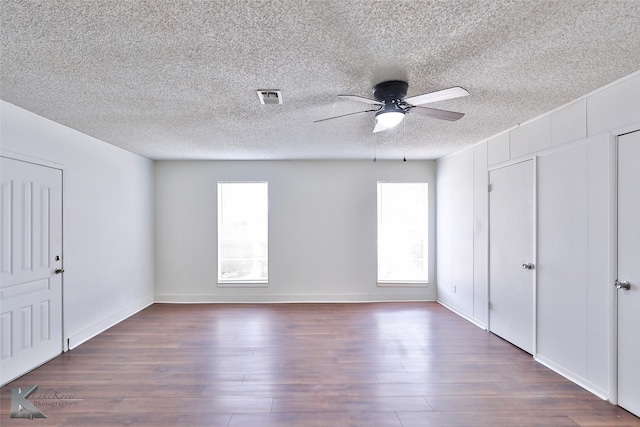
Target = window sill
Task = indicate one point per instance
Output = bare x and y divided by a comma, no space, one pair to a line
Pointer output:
403,284
248,284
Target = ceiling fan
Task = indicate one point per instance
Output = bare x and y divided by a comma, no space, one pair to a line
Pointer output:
392,104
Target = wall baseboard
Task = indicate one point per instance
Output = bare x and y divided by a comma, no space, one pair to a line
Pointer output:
463,315
285,298
85,335
577,379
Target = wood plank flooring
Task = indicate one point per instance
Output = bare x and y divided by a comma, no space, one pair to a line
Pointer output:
304,365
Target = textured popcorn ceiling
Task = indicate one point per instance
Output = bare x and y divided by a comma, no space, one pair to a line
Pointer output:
178,79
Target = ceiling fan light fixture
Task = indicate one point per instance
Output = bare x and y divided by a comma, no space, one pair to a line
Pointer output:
389,119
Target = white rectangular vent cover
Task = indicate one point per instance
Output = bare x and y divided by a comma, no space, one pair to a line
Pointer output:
270,97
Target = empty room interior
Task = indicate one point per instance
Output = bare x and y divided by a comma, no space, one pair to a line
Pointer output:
320,213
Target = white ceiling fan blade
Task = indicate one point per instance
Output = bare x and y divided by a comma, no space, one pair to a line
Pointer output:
344,115
434,113
361,99
441,95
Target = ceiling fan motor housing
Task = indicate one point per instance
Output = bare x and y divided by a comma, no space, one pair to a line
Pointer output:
393,90
391,93
391,107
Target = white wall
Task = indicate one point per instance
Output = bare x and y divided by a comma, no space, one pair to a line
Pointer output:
107,219
455,239
322,229
573,277
462,233
575,150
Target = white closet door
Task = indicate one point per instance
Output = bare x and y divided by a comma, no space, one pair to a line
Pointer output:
629,272
31,251
511,278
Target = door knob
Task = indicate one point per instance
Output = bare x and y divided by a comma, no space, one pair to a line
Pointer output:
59,270
528,266
623,285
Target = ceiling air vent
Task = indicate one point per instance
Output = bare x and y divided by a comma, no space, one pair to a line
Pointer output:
270,97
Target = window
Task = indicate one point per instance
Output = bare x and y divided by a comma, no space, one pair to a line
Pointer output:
242,232
403,232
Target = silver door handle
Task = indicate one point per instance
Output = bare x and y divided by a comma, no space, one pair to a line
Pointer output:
59,270
528,266
623,285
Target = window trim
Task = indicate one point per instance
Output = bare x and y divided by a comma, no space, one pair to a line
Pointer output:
238,283
401,283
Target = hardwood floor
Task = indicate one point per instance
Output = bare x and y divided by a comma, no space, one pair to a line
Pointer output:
307,365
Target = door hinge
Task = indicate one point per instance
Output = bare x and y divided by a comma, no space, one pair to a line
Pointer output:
489,305
489,188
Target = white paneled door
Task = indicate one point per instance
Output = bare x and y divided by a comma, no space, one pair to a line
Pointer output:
628,282
511,278
31,262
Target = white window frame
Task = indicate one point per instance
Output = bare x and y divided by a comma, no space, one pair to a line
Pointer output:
407,282
226,282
